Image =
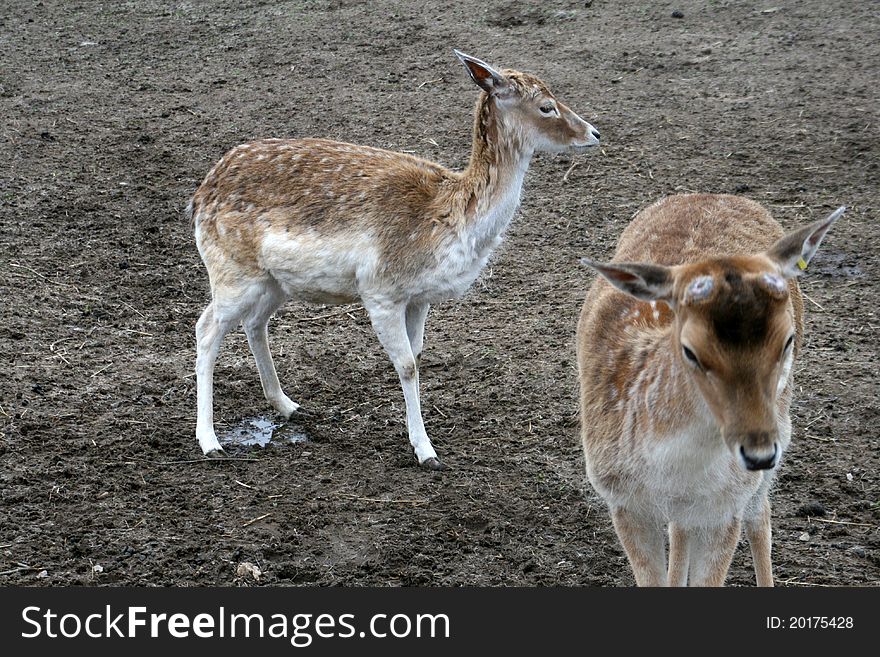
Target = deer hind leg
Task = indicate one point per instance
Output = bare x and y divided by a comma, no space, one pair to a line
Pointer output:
231,303
712,551
416,314
645,545
210,331
389,322
256,327
759,534
679,555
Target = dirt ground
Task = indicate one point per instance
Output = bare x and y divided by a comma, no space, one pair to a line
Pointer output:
111,117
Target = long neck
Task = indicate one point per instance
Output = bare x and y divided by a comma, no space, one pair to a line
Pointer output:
494,175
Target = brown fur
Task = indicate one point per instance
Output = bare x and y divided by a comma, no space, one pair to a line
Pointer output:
636,385
681,230
331,222
338,187
327,186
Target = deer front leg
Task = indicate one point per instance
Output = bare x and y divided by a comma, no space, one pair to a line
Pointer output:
643,540
679,555
389,322
759,534
712,551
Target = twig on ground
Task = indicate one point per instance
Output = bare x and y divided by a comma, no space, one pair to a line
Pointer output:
820,439
128,330
843,522
812,302
36,273
128,305
101,370
257,519
379,499
798,583
20,569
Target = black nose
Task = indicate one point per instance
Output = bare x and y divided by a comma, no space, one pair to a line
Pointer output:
595,132
759,462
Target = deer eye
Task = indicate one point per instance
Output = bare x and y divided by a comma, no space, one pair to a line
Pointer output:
549,108
691,357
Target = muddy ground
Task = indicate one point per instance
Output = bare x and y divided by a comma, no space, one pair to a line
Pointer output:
111,117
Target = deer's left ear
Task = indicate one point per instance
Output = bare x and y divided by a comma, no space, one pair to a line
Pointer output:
794,251
487,78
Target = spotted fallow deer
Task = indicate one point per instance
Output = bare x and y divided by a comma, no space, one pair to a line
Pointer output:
685,351
332,222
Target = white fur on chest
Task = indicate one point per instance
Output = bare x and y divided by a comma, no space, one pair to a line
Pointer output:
462,257
690,478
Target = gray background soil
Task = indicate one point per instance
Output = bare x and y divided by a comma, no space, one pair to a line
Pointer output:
111,117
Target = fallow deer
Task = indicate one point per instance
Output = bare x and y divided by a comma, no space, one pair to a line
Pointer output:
685,351
332,222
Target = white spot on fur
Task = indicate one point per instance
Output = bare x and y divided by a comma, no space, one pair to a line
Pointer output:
699,289
774,282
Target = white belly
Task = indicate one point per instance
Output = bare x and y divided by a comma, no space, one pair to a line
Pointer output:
318,268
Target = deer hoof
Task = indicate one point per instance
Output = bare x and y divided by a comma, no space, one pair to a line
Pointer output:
215,454
287,407
434,463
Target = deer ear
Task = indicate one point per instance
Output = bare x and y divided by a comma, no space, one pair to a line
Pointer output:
641,280
487,78
794,251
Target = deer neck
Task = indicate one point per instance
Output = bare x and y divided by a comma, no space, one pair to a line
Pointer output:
490,186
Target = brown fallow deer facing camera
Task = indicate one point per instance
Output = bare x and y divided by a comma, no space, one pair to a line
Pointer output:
685,350
331,222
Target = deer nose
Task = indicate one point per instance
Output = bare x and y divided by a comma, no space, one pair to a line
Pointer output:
595,133
755,459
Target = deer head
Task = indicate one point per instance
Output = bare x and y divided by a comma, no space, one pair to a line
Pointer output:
525,105
733,331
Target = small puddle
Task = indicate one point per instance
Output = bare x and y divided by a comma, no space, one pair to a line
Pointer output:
260,431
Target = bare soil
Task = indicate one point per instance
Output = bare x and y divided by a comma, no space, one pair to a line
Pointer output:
111,117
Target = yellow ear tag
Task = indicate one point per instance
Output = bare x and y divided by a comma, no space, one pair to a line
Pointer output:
802,264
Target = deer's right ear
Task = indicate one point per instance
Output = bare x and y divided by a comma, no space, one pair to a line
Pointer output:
643,281
487,78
